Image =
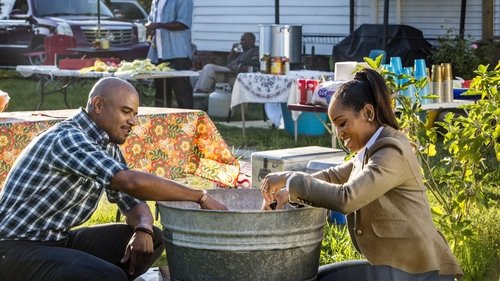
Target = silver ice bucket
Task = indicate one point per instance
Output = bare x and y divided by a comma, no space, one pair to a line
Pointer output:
243,243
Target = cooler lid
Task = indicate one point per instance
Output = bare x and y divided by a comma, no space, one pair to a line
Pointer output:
296,152
325,163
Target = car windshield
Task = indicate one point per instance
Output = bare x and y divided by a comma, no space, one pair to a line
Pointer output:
69,8
127,11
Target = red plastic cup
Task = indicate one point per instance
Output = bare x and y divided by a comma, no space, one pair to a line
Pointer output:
301,84
310,87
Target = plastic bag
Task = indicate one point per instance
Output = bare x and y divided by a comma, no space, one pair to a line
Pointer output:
324,92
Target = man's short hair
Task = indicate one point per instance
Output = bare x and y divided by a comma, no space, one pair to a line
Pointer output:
251,35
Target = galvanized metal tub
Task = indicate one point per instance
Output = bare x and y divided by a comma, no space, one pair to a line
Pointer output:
243,243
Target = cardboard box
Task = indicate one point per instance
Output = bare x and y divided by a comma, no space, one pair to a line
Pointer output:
290,159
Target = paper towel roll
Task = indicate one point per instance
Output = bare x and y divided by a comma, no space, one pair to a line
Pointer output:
344,70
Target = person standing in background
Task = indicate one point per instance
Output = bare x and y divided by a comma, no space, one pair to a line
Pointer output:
170,27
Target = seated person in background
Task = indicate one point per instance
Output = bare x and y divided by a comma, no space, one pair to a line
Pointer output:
242,54
381,190
56,184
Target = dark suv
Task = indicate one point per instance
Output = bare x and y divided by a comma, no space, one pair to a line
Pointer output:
25,23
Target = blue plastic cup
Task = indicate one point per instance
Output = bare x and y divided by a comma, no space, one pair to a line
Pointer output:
397,65
421,72
410,91
420,68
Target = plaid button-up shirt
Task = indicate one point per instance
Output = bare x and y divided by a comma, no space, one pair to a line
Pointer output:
57,181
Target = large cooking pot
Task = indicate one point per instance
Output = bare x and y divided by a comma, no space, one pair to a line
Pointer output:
281,41
243,243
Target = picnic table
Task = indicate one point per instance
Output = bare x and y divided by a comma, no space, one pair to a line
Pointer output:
49,73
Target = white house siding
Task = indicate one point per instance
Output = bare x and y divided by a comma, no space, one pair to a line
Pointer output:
496,19
440,16
219,23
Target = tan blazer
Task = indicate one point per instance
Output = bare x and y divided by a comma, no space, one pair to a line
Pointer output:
388,214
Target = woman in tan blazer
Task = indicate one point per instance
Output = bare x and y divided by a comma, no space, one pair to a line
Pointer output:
381,191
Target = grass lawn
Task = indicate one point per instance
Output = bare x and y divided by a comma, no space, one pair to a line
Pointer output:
24,97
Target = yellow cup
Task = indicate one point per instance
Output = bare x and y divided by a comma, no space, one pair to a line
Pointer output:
104,44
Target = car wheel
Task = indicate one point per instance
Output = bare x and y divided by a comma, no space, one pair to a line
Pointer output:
39,55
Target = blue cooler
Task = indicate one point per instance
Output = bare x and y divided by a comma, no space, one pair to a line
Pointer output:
457,94
336,218
308,124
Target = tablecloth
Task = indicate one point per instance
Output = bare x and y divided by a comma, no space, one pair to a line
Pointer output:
263,88
52,70
173,143
268,88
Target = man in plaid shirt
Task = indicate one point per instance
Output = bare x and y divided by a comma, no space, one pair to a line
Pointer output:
56,184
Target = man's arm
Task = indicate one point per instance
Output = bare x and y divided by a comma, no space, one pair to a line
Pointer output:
174,25
147,186
139,217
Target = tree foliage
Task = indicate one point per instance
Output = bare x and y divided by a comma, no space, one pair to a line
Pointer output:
460,156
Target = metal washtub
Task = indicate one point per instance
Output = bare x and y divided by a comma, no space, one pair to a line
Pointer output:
243,243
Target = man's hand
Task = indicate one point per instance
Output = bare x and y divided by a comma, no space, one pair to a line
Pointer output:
151,27
139,250
211,204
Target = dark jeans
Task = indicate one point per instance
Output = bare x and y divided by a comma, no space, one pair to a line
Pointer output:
180,86
362,270
89,253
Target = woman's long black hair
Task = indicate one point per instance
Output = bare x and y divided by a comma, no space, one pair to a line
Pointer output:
368,87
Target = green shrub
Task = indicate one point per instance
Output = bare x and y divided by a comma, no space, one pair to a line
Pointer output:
480,258
464,54
337,246
460,161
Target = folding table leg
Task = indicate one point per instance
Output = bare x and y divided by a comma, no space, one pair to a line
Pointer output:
243,117
165,102
63,89
65,92
42,92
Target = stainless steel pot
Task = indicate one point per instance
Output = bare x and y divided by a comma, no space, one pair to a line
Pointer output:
243,243
281,41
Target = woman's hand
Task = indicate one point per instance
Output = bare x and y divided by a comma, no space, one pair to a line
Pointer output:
270,186
280,199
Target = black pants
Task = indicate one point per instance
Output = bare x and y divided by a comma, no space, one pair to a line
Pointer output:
89,253
361,270
180,86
